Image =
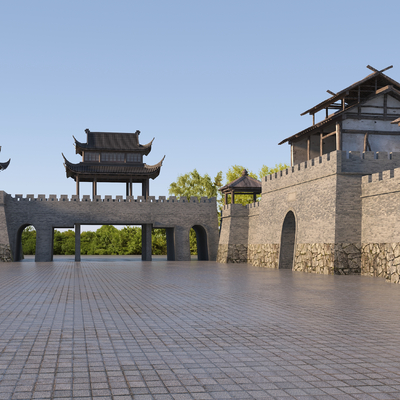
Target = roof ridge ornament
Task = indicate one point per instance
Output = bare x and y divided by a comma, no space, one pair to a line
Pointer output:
382,70
245,173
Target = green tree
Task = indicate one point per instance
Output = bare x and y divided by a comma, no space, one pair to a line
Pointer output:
68,243
193,242
132,240
264,171
194,184
88,242
28,239
106,240
159,241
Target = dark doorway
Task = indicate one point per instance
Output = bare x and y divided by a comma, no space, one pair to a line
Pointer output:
201,240
287,242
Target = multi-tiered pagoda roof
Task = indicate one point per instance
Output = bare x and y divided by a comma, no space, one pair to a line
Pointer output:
112,157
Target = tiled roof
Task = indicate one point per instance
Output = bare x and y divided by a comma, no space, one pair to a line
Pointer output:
112,141
245,183
4,165
85,168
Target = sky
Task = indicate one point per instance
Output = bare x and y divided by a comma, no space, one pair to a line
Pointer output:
217,83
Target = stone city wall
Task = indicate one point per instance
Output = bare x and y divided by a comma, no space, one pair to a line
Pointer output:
47,213
380,255
325,195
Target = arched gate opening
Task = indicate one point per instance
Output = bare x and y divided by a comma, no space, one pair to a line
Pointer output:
288,239
30,241
201,239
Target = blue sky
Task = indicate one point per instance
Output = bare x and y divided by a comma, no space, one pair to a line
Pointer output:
216,83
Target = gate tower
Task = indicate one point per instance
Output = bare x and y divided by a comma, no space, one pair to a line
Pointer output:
112,157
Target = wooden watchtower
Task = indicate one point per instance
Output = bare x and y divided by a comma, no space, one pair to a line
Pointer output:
358,118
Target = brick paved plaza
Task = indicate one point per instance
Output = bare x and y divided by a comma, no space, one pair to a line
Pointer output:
199,330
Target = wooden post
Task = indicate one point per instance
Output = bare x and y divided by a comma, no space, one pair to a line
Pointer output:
367,146
320,144
77,242
226,198
233,198
145,188
130,188
385,105
94,189
308,148
338,136
313,119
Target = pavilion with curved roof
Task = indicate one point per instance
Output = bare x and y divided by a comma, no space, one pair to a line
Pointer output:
112,157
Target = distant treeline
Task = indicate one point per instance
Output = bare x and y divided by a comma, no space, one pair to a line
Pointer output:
107,240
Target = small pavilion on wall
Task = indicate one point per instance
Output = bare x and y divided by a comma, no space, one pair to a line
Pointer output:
243,185
112,157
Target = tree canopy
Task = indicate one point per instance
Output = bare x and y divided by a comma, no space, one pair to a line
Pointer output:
194,184
107,240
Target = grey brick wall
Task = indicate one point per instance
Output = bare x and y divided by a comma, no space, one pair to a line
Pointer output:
47,213
328,196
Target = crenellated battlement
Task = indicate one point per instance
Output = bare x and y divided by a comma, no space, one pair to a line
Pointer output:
110,199
336,162
240,206
381,183
253,205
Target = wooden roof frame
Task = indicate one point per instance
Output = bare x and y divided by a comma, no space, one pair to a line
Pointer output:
393,88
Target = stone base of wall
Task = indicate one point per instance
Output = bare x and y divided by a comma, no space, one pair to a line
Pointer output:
318,258
328,258
232,253
5,253
264,255
382,260
347,258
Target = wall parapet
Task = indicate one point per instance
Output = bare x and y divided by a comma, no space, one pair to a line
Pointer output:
108,199
380,183
336,162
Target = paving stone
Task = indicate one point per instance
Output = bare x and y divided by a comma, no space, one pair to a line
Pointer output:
197,330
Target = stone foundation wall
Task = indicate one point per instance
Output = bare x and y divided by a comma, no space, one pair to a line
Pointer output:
264,255
347,258
382,260
5,253
328,258
232,253
318,258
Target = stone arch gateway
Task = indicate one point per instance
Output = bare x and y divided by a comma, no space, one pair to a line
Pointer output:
48,213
